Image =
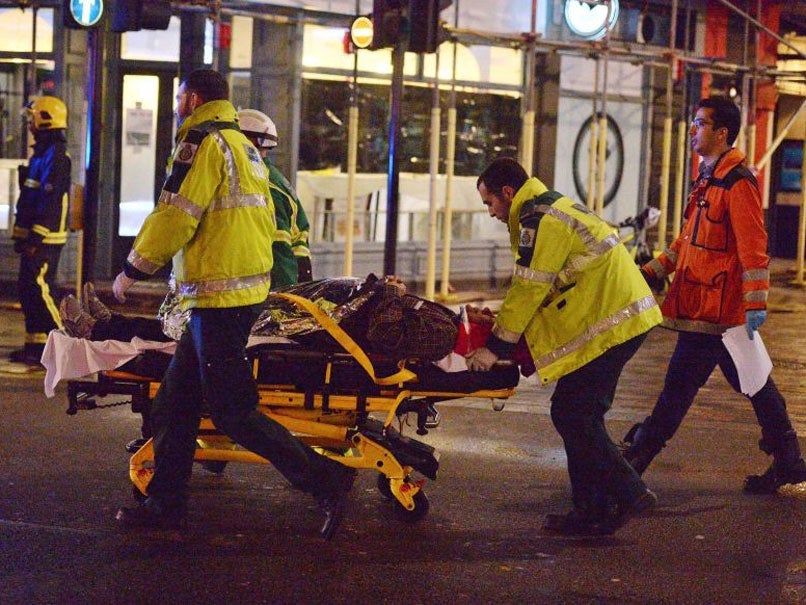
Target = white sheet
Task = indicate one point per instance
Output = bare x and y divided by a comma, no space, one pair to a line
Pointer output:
66,357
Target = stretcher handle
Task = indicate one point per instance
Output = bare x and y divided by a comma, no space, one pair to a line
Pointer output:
346,341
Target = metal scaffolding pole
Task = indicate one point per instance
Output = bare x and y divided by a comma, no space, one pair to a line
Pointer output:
601,158
667,135
450,160
528,126
799,279
590,198
431,263
352,161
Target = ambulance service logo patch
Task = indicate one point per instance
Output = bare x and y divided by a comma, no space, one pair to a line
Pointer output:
527,238
258,167
186,153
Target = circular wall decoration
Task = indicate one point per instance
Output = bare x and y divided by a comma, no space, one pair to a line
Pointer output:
614,159
588,19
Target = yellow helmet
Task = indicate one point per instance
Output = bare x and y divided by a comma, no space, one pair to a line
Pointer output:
47,113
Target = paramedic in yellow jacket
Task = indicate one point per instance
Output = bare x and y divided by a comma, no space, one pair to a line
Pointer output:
215,219
585,309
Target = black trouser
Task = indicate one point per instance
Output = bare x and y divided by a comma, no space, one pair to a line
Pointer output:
210,363
694,359
598,472
124,328
37,293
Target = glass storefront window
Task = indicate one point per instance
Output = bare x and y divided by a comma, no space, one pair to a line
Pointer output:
138,150
240,52
16,30
488,125
152,45
323,48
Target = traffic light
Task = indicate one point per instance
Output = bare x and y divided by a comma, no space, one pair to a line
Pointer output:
424,26
133,15
414,21
388,23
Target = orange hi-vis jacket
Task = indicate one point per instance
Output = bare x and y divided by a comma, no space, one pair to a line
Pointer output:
719,261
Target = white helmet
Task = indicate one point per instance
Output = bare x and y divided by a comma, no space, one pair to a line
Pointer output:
259,127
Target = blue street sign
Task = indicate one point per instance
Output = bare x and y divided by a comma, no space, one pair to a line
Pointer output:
87,12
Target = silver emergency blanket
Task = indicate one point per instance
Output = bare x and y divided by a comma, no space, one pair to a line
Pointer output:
338,297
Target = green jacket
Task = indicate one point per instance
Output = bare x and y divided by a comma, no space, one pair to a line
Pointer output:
214,217
291,238
575,292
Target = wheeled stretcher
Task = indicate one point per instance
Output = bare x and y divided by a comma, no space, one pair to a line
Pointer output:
346,404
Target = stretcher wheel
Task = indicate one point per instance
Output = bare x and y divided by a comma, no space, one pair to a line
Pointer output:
139,496
421,506
421,503
383,486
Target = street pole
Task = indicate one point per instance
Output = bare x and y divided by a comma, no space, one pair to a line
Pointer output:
93,150
393,181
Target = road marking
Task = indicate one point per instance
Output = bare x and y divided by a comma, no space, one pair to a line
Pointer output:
54,528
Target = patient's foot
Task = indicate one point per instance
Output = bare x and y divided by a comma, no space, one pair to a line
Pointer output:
77,322
93,304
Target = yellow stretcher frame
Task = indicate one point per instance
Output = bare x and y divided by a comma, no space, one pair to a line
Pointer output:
329,423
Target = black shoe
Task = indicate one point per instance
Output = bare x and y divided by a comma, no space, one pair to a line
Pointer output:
135,444
334,503
639,506
145,516
432,417
26,356
213,466
775,477
576,523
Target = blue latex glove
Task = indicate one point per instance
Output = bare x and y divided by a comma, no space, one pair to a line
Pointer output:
753,321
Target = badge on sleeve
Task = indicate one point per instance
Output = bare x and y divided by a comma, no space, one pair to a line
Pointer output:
527,238
258,167
186,153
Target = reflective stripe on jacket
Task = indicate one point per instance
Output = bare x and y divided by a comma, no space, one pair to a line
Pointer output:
575,292
291,237
214,217
41,211
719,261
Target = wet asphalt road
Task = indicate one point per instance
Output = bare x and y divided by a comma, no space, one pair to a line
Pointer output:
253,540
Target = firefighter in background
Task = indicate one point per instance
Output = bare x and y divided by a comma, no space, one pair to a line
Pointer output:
292,256
40,223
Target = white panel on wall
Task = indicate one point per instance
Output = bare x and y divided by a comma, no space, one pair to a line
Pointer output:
573,113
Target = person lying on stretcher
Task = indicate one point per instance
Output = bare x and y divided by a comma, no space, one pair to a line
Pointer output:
378,314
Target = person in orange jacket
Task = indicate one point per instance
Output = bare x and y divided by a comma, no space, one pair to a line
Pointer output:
721,280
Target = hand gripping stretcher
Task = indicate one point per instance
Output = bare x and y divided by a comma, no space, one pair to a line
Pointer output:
344,404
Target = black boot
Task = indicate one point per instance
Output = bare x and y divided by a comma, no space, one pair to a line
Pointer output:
787,465
329,482
640,447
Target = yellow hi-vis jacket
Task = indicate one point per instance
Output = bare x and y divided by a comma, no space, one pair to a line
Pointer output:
214,217
575,292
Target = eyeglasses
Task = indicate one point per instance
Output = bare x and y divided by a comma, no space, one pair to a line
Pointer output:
699,122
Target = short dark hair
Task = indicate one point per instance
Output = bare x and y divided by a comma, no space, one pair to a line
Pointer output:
208,84
502,172
725,114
